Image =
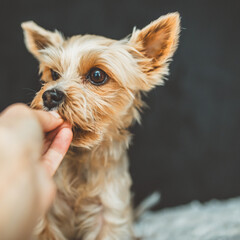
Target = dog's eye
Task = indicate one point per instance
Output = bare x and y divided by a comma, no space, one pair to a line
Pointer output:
40,76
97,76
55,75
41,81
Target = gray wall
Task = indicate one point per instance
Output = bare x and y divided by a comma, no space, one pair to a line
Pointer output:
188,144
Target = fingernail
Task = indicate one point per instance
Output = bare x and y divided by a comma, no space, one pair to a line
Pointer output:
55,114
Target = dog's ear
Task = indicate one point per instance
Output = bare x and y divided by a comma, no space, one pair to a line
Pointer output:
37,38
155,45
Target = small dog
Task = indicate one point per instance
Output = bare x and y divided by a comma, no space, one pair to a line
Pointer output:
95,83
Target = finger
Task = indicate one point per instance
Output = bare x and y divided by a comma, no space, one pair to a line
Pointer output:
48,139
51,135
54,155
46,145
48,120
15,111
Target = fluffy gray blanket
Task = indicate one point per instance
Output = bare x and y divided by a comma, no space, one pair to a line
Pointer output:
215,220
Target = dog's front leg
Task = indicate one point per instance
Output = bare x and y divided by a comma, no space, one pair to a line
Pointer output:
58,224
47,229
107,215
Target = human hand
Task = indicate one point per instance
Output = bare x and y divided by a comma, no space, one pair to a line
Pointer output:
26,189
57,133
57,139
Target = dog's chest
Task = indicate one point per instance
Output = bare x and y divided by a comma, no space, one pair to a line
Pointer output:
80,177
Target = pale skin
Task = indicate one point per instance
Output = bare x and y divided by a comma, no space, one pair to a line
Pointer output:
32,146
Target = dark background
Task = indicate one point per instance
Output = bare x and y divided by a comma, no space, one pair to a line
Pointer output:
188,146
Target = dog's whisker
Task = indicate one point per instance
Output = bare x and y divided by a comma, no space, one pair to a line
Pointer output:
29,89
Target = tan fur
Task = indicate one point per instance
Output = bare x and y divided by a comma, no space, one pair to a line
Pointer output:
93,182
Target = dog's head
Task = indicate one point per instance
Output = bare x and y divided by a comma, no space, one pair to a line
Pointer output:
94,82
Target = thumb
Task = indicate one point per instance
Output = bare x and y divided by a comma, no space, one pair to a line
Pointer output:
57,150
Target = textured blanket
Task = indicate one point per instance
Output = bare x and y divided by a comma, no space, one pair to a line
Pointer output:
215,220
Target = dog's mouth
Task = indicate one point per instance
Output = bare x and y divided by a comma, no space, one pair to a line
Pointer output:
78,131
82,136
75,127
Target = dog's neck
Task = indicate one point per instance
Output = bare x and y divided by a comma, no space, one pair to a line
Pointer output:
110,150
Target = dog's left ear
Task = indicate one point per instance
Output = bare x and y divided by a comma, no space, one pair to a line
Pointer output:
155,45
37,38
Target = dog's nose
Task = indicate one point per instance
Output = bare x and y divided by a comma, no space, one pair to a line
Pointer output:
52,98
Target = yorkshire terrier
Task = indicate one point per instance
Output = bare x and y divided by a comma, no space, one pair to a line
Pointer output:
96,83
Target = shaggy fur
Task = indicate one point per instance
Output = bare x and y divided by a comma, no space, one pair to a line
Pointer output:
93,200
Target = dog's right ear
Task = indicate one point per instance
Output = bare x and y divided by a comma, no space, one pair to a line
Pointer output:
37,38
